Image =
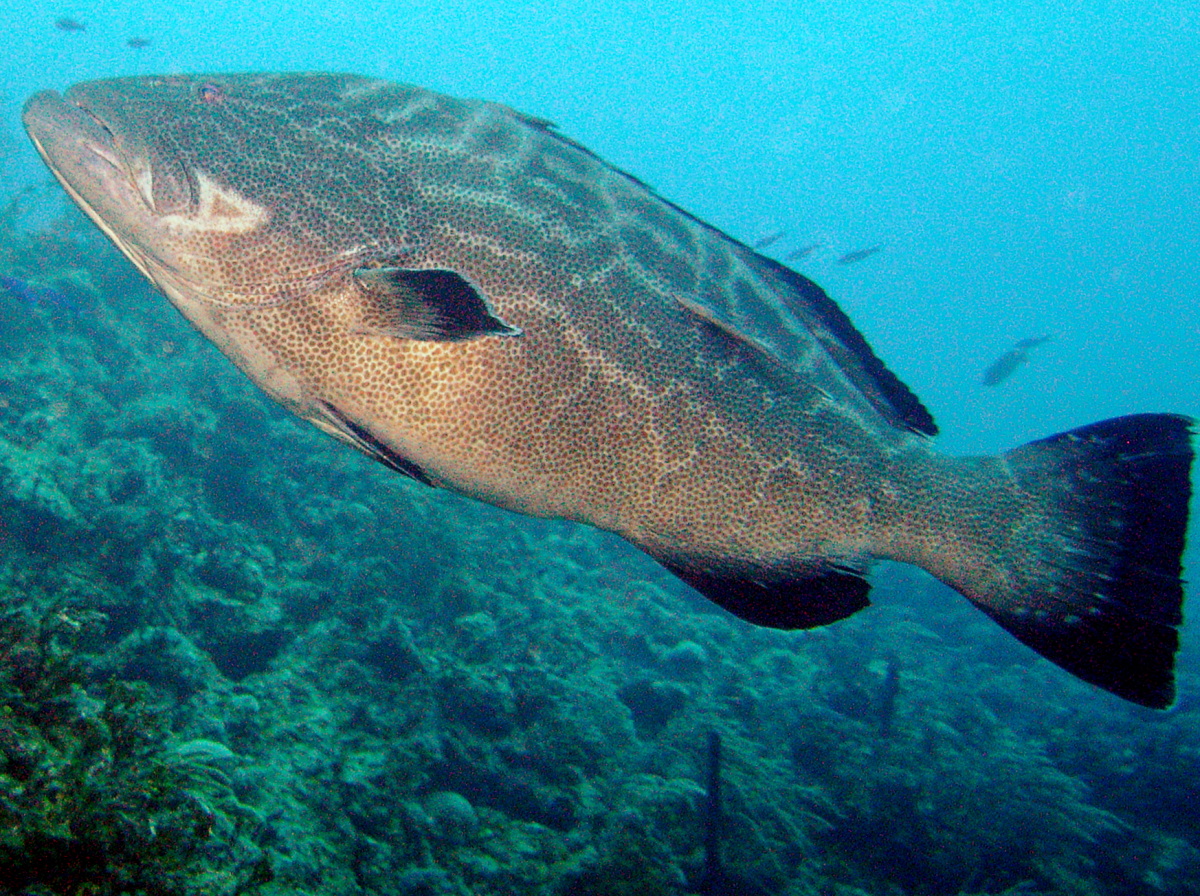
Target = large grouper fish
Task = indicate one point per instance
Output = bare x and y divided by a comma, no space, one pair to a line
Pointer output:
484,305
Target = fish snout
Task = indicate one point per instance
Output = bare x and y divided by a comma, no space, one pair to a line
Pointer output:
75,140
54,123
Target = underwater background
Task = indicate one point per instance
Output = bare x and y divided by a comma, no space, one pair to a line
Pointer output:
236,657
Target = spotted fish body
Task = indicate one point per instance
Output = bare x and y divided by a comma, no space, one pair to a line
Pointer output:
486,306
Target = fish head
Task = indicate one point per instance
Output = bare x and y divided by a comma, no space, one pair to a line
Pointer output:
189,177
287,216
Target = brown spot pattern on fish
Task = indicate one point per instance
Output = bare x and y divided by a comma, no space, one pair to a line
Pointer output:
485,305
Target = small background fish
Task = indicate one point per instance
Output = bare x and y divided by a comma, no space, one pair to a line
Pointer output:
1008,363
802,252
859,254
770,239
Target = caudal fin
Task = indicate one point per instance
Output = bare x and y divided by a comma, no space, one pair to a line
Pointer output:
1102,595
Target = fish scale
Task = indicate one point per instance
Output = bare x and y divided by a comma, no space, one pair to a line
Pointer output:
484,305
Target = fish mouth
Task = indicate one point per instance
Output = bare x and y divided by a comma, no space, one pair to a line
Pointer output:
124,188
52,122
75,139
76,145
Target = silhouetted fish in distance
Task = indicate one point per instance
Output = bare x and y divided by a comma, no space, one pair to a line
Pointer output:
138,43
480,303
803,252
768,240
1006,365
859,254
70,25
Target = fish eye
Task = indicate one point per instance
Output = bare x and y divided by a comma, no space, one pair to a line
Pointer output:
210,93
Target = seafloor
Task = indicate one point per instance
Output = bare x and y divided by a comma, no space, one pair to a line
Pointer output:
236,657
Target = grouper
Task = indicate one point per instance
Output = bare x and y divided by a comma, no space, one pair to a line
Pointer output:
483,305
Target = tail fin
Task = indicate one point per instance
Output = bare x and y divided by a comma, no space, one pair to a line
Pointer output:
1103,597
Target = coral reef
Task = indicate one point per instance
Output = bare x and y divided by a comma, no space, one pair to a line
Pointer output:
237,657
93,798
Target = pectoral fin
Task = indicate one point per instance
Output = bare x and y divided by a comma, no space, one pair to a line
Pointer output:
426,305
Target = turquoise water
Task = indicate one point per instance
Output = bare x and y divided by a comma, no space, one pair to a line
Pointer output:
330,650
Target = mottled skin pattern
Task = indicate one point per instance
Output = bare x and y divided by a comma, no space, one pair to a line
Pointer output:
668,383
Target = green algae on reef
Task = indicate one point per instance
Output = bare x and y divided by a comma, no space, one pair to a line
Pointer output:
92,799
316,653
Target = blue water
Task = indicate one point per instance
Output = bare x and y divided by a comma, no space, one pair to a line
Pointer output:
1030,168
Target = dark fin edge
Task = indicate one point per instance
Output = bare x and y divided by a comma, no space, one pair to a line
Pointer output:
784,602
366,442
1116,650
827,322
1125,484
838,336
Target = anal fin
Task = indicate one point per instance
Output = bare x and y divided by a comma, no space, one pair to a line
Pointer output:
785,602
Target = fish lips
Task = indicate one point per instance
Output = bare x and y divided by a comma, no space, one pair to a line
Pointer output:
98,163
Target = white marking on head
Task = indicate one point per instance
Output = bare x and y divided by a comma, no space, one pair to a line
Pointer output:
220,209
143,179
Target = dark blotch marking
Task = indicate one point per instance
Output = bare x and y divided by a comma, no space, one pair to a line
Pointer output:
497,139
646,247
660,215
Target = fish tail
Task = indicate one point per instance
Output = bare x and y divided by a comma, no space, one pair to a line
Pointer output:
1082,558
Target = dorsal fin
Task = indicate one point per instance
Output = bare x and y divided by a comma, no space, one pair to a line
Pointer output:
795,303
831,327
